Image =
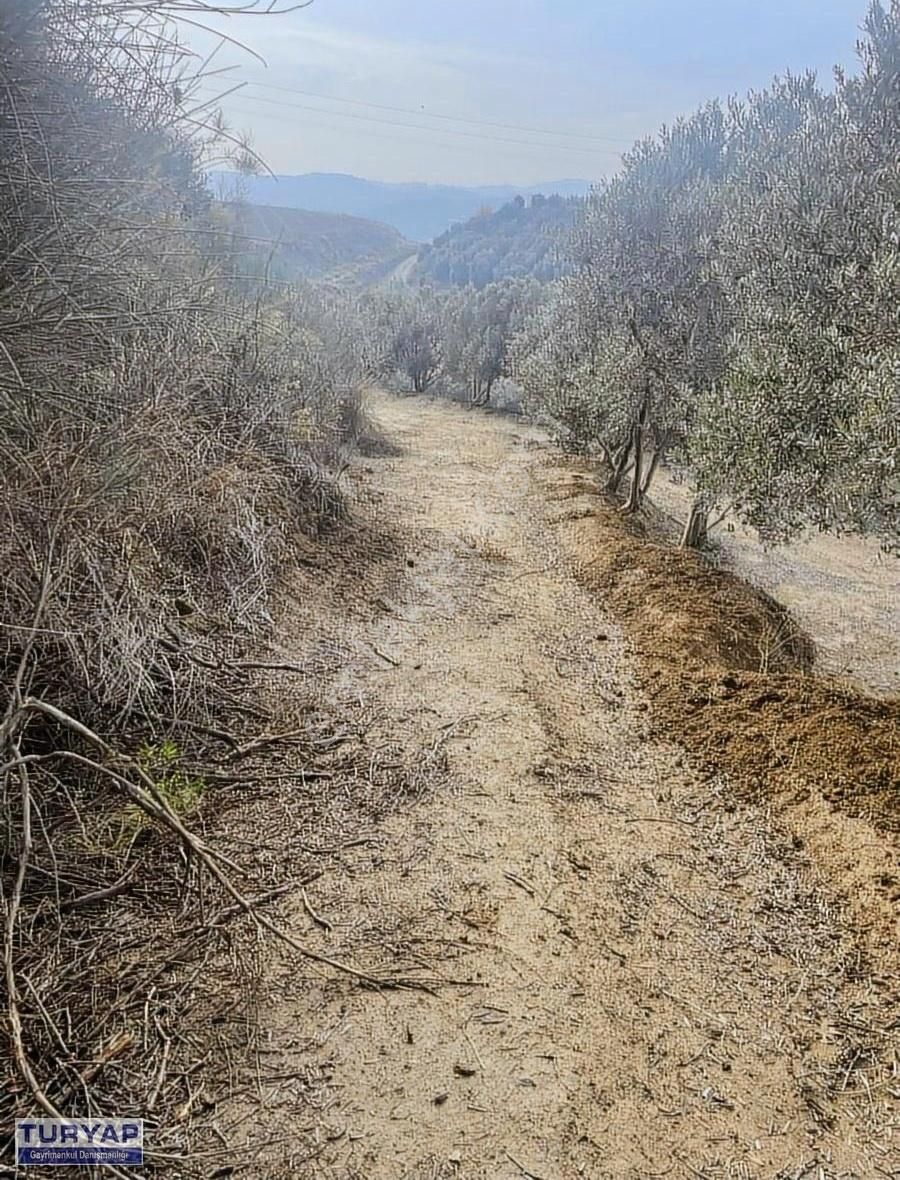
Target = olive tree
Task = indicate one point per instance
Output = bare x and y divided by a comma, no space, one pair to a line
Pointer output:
479,327
735,306
407,332
638,329
803,428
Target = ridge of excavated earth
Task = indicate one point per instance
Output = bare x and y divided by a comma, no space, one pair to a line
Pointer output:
635,974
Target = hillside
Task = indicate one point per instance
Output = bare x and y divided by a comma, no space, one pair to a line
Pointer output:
523,239
418,211
299,243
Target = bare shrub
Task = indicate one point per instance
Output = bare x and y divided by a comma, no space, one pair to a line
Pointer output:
168,432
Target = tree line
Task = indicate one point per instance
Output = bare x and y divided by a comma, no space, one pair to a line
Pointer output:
734,306
456,342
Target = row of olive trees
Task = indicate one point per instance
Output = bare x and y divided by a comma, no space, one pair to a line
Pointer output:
456,341
735,306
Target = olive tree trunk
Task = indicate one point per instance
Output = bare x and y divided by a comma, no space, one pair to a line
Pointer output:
696,530
636,495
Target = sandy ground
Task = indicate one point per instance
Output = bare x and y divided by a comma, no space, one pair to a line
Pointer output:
634,975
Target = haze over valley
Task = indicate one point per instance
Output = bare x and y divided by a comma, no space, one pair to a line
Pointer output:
418,211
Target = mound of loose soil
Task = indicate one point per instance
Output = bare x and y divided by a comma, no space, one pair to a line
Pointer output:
729,673
678,605
792,733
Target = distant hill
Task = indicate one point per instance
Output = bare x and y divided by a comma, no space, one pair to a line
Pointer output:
299,243
522,239
418,211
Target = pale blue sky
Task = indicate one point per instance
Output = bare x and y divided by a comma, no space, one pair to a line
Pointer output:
608,69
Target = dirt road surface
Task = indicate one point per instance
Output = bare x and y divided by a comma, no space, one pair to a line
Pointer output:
635,976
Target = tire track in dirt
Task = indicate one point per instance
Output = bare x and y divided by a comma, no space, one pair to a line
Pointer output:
661,986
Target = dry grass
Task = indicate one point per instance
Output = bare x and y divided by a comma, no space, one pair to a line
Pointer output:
171,436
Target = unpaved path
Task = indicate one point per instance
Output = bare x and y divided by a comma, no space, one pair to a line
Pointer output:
658,984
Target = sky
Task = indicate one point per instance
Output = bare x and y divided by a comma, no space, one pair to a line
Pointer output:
499,91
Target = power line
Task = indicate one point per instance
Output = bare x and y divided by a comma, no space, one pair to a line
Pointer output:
564,147
377,133
448,118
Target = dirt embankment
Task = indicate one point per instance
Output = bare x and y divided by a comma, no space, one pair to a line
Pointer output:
731,676
841,590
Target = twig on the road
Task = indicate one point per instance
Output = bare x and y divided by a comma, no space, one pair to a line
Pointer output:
97,895
335,849
544,569
317,918
267,739
688,909
600,797
656,819
249,665
529,889
526,1172
701,1052
620,955
387,659
233,911
690,1167
474,1049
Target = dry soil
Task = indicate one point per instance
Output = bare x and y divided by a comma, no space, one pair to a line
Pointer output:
634,972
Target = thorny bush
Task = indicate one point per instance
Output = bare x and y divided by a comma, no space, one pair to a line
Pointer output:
168,430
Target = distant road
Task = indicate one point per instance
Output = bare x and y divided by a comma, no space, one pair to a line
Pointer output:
401,276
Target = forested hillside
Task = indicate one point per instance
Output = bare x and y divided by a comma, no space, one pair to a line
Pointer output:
295,244
522,239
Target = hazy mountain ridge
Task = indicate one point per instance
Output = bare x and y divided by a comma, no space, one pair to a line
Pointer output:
418,211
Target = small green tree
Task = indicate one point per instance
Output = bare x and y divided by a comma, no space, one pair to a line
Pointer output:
639,327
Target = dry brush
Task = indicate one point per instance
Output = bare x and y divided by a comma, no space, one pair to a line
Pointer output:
170,432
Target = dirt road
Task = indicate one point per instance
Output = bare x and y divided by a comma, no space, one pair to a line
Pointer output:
648,978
